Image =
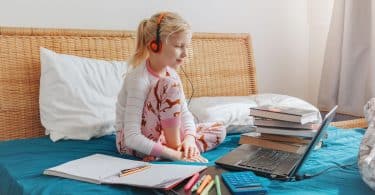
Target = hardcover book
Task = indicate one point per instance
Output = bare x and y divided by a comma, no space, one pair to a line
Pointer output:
291,132
254,138
264,122
285,114
285,138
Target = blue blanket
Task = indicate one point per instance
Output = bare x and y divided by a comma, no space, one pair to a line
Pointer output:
23,161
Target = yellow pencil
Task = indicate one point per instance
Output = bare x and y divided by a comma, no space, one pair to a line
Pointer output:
205,181
208,188
135,170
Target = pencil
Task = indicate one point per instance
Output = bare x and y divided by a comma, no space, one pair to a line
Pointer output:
205,181
191,182
196,185
132,169
217,184
208,188
135,170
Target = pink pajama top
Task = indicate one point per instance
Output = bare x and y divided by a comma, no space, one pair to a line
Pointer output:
129,107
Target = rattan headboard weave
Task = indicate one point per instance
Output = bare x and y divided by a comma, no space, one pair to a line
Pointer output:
218,65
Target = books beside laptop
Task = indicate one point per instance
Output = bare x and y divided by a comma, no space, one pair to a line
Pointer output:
274,131
285,121
273,163
258,139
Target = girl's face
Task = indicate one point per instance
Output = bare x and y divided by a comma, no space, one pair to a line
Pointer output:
174,50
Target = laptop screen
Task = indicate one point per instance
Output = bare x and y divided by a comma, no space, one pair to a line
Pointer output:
321,131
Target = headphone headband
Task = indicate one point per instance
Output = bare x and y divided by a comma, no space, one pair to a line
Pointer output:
160,18
156,44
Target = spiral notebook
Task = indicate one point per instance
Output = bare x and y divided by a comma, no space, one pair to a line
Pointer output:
104,169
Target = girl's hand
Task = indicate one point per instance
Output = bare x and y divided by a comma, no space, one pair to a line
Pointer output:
198,158
172,154
149,158
189,147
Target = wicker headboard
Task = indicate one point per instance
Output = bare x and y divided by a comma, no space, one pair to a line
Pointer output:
218,65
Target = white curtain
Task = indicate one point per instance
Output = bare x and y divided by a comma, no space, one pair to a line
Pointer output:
348,75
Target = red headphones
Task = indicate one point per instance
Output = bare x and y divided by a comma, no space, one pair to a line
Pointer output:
156,44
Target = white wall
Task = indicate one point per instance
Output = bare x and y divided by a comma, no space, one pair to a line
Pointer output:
288,35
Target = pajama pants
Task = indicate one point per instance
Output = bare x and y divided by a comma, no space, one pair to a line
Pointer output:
163,109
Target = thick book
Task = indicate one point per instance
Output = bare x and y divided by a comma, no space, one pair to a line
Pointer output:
104,169
285,138
284,113
291,132
265,122
254,138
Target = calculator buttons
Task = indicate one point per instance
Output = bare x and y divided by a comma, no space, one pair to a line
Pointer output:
244,182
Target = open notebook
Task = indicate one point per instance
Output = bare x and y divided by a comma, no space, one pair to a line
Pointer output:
104,169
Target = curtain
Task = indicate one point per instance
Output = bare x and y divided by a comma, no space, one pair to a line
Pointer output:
348,74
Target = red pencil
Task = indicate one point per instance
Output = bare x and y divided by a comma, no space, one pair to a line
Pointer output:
191,182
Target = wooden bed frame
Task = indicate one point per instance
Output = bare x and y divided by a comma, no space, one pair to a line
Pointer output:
218,65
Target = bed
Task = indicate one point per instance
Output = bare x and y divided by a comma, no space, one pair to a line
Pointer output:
25,151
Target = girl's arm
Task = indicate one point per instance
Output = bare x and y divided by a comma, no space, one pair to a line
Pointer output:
171,154
173,136
189,131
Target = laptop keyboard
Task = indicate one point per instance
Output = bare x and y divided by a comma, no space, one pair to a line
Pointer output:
267,160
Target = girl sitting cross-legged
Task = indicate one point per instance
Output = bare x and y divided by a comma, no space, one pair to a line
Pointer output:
152,118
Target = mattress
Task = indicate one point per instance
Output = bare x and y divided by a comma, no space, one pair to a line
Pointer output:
22,163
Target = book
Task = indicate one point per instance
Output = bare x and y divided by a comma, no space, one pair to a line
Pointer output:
104,169
254,138
292,132
291,139
265,122
284,113
285,138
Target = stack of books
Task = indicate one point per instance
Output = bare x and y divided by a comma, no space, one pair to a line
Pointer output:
283,128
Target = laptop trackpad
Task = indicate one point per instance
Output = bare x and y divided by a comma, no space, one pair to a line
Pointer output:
242,152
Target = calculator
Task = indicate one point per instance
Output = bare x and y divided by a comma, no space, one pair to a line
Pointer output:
243,182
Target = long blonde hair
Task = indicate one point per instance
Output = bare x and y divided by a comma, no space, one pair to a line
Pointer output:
170,23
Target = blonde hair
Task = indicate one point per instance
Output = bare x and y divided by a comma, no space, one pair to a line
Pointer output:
171,23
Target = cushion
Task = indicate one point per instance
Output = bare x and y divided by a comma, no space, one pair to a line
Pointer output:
234,111
78,95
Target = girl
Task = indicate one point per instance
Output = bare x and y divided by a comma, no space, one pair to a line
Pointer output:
152,118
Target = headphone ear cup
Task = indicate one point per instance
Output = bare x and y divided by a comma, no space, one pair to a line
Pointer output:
155,47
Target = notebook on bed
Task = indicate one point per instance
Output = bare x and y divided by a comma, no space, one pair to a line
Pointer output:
104,169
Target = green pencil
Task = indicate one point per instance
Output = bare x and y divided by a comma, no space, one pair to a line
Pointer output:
217,184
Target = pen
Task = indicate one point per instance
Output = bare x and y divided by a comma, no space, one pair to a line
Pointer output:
196,185
191,182
217,184
208,188
126,172
205,181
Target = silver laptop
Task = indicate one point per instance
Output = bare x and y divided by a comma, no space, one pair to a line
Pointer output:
275,164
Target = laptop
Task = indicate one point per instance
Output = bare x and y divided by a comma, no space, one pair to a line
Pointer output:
275,164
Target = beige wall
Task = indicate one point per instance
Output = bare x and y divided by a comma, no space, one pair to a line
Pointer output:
288,35
319,15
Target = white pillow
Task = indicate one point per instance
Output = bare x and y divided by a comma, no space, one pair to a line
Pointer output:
234,111
78,95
